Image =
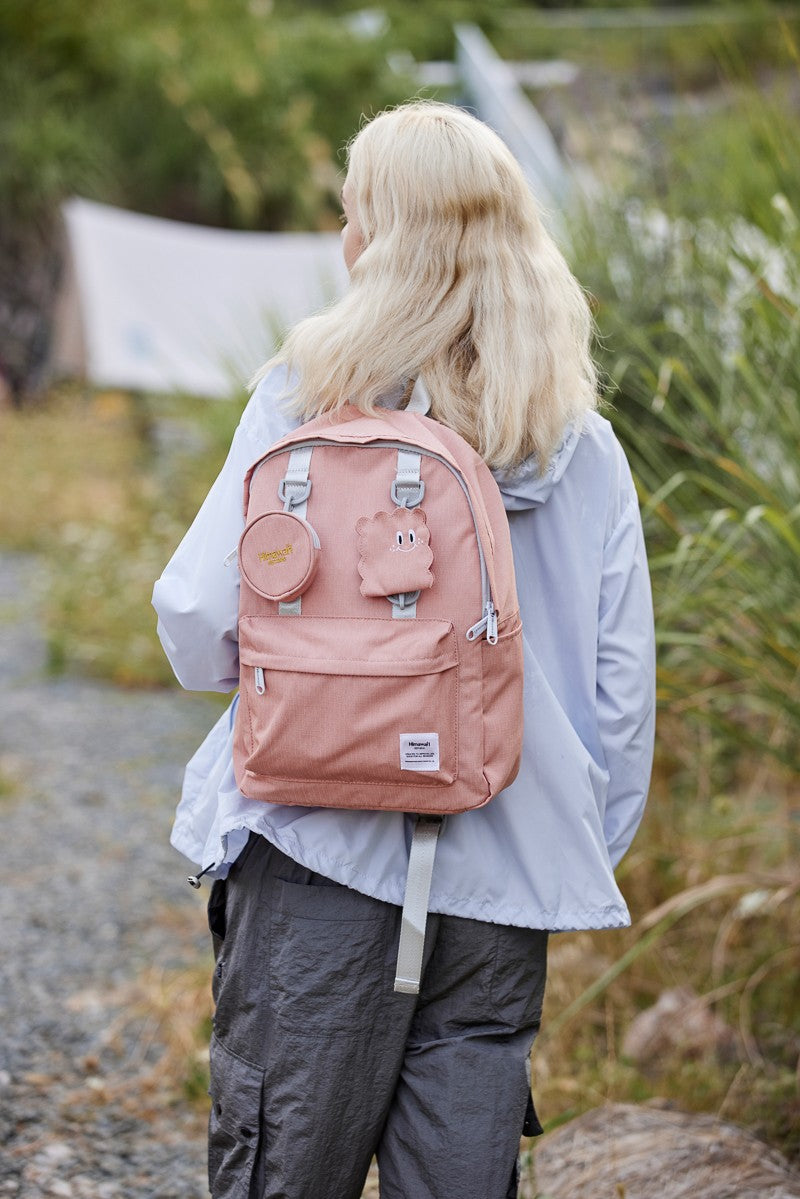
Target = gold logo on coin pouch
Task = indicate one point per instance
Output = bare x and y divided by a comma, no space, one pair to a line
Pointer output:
279,555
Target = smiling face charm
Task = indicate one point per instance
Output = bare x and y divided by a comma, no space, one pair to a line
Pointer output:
394,552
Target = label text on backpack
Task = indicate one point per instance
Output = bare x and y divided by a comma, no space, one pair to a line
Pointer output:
419,751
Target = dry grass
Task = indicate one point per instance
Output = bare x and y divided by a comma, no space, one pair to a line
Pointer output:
715,892
157,1031
104,485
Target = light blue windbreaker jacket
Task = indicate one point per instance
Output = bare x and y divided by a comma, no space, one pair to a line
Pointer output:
541,854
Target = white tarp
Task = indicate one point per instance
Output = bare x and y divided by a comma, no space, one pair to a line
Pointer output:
166,306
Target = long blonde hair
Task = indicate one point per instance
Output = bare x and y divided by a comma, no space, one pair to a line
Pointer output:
458,280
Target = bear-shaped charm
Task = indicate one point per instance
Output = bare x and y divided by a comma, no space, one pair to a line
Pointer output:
394,552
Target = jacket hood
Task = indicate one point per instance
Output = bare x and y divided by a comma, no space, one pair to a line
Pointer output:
522,488
525,487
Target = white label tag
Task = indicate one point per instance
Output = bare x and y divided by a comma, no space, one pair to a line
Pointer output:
419,751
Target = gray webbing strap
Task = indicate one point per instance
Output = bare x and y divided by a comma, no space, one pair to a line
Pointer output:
404,605
294,490
407,488
407,491
415,904
290,607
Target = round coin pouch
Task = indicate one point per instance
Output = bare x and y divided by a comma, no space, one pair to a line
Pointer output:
279,555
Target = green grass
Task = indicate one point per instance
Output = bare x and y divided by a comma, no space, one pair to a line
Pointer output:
713,885
87,486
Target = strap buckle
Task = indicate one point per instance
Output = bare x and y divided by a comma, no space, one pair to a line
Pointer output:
403,599
293,492
412,495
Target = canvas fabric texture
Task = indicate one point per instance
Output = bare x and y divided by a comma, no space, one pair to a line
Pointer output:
316,1065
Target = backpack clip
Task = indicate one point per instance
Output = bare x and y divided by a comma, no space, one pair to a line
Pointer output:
293,492
408,489
412,495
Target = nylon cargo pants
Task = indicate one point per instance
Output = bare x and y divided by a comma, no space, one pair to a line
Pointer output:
317,1065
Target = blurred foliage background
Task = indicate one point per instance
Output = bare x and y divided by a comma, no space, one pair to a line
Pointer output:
234,112
686,235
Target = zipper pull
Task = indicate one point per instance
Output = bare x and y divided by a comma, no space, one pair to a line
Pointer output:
260,688
491,623
474,633
230,558
487,624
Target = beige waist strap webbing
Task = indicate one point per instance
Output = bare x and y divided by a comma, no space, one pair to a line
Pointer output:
415,904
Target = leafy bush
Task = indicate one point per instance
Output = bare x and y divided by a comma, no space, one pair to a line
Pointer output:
638,49
699,324
209,110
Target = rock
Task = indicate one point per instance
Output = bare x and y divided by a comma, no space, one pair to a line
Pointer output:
622,1151
680,1025
57,1152
58,1186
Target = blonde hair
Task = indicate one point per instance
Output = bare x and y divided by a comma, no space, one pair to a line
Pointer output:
458,280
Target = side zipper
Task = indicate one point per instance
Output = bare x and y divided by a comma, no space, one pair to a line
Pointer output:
487,622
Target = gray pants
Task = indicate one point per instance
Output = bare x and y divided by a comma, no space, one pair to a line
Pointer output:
316,1063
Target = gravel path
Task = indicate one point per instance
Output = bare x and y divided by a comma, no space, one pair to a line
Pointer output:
92,898
95,911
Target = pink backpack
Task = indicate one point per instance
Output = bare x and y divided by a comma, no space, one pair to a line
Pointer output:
379,633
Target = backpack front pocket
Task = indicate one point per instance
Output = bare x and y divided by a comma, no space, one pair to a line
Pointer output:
348,700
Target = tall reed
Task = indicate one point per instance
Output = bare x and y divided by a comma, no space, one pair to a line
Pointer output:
700,337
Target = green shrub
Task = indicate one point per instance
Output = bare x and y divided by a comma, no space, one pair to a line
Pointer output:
638,49
207,110
697,308
104,486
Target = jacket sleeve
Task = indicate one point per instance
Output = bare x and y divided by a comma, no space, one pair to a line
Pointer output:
197,596
625,679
